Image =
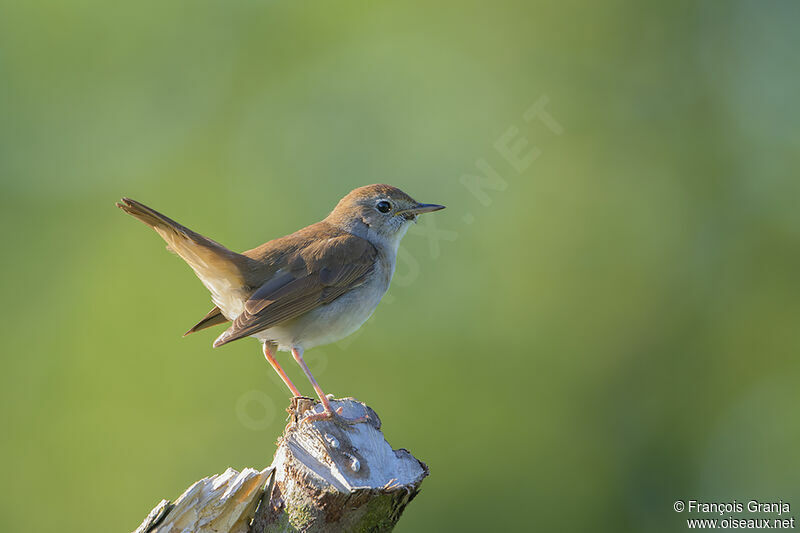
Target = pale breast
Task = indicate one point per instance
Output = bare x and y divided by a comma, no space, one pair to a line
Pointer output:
336,320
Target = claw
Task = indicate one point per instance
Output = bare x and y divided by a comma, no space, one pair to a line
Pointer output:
334,417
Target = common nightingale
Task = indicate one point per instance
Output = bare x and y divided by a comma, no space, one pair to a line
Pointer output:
313,287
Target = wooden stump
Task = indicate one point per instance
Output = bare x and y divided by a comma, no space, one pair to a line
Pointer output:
326,476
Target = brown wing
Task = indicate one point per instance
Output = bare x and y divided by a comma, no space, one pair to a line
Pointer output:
315,275
213,318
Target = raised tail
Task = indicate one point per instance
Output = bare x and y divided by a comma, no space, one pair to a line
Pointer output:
224,272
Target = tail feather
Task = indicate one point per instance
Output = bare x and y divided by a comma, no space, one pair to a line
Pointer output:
213,318
221,270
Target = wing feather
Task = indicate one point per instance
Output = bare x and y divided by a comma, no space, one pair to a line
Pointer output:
316,275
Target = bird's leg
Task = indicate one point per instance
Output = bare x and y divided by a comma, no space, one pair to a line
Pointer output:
297,352
268,353
328,413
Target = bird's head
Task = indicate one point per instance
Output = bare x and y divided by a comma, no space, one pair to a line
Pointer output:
378,213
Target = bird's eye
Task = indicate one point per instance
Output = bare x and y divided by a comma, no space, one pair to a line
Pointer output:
384,206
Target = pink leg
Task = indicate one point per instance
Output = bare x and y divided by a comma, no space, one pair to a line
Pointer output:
268,353
328,413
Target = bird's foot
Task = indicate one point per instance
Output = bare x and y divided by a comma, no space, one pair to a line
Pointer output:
335,417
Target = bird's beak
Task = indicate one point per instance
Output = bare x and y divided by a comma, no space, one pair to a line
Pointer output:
421,208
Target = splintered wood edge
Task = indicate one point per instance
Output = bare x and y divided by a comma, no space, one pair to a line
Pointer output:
223,502
155,517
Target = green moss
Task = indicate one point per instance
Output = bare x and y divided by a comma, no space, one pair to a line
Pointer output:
377,516
294,518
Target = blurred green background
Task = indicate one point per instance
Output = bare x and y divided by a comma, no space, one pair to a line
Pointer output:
609,327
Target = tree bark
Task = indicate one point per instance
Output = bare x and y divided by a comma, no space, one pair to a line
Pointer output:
326,476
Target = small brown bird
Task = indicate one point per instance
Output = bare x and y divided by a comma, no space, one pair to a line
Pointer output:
313,287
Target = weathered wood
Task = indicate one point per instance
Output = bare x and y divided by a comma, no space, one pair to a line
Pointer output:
224,502
332,476
326,476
